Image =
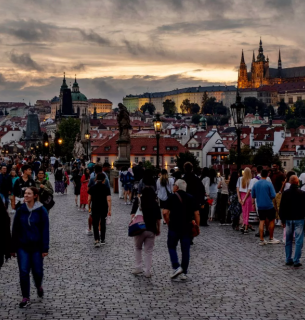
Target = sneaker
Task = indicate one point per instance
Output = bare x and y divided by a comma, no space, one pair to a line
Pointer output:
97,244
24,303
222,224
241,229
176,272
246,232
257,234
263,242
147,275
126,203
89,232
40,292
290,263
279,223
298,265
103,242
273,241
137,271
183,276
266,233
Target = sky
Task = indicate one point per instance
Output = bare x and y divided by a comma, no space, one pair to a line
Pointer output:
120,47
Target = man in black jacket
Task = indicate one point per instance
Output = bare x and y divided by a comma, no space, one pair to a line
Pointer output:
5,185
292,214
196,189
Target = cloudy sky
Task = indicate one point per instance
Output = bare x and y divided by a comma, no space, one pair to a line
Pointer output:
119,47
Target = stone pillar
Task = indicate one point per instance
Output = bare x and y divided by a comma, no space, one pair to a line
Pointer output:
123,154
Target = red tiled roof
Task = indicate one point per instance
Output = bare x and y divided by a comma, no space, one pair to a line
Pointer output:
110,147
95,122
289,142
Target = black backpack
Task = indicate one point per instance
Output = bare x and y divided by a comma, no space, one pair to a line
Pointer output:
46,198
59,175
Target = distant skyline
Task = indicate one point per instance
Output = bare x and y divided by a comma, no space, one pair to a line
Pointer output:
119,47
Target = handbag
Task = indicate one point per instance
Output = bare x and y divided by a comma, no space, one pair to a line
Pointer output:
195,228
137,224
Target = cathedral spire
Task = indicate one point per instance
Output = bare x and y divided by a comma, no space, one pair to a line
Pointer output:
253,58
261,56
280,60
242,60
64,84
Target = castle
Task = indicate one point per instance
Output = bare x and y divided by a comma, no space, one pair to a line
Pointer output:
261,74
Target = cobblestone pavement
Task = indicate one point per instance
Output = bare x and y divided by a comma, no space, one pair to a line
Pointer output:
230,276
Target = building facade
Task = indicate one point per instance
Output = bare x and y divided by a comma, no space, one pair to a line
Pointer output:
261,74
101,105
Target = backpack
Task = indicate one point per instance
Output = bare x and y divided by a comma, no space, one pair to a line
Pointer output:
46,198
59,175
126,178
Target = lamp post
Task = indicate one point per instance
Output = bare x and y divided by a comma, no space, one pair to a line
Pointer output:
158,129
238,113
87,137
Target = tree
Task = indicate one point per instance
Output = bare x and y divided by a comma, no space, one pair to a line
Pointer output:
186,106
301,168
203,101
184,157
68,129
282,108
246,155
270,109
221,109
264,156
210,106
148,107
195,108
293,123
148,165
169,107
196,118
299,109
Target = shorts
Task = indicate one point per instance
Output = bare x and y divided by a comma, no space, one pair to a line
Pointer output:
267,214
162,204
127,187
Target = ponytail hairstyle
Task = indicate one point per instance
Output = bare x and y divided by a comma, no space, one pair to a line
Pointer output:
164,178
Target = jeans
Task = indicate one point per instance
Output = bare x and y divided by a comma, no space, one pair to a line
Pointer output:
96,218
296,226
185,243
148,239
5,199
28,261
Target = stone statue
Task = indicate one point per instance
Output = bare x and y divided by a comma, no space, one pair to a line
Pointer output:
123,122
78,149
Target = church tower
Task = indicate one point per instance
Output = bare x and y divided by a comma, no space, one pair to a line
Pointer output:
260,68
280,65
242,74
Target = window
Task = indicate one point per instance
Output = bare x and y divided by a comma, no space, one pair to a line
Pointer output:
168,148
155,148
197,154
216,149
107,159
299,98
284,163
298,162
175,148
290,100
136,159
107,148
143,148
256,144
143,159
152,160
172,160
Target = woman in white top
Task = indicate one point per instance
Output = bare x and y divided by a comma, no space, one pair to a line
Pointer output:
213,192
224,219
244,197
164,189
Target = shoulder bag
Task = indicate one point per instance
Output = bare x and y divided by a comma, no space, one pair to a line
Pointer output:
137,224
195,229
46,198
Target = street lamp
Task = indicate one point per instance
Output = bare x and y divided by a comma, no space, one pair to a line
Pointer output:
60,141
46,144
158,129
238,110
87,137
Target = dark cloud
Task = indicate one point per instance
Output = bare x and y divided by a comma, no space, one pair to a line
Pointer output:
79,67
92,36
24,61
2,79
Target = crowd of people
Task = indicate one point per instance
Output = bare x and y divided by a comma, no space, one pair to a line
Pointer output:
181,199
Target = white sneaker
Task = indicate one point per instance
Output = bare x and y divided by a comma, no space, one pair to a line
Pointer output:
128,202
147,275
176,272
137,271
273,241
97,244
125,203
183,276
279,223
263,243
89,232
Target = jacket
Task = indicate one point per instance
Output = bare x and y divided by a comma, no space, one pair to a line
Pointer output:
47,185
292,205
6,184
195,187
138,172
31,228
5,234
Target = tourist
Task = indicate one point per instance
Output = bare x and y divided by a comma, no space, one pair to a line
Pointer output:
121,188
223,184
76,176
5,234
263,194
6,186
45,188
292,215
99,202
181,209
194,186
152,217
20,186
164,188
204,212
244,198
147,181
66,181
213,192
234,209
127,182
84,189
30,235
277,178
59,179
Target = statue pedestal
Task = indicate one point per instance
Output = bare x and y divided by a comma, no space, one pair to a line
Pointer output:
123,154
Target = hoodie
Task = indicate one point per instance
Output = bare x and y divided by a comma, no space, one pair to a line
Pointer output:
31,228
